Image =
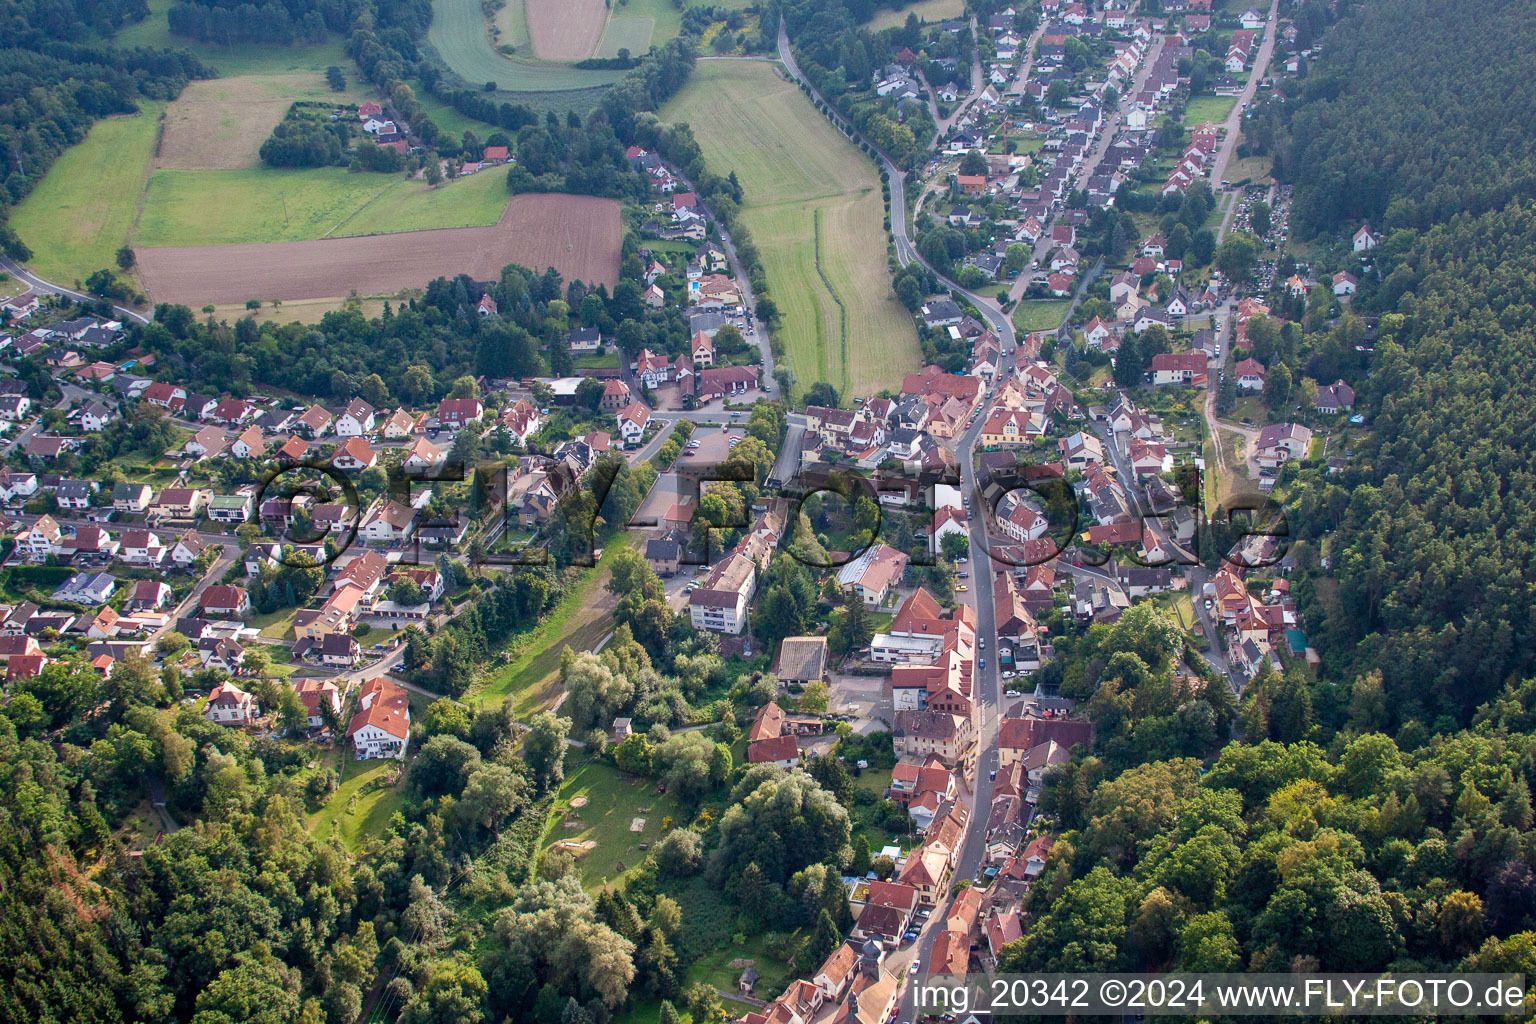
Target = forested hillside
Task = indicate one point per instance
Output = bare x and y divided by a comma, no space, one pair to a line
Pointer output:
1433,551
1418,111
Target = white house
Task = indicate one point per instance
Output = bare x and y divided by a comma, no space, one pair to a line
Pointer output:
632,420
355,420
382,725
230,705
720,603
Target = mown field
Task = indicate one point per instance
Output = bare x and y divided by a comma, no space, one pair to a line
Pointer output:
82,210
926,10
1041,314
221,123
799,172
274,205
1208,108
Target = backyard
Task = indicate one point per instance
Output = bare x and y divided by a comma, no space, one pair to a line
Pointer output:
606,818
1041,314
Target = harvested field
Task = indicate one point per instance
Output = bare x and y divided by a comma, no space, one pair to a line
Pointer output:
577,235
565,29
460,36
220,124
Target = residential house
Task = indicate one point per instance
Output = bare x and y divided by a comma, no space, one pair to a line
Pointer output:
315,421
720,602
458,411
141,547
356,420
382,725
251,444
205,444
223,601
147,596
230,705
1183,368
187,549
388,521
354,454
40,540
229,508
1249,375
616,396
929,733
1281,442
1334,398
632,420
874,574
316,694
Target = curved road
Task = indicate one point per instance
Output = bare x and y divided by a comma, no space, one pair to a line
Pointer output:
48,288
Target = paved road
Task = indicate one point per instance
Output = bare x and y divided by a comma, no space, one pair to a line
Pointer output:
49,288
1234,121
985,688
978,86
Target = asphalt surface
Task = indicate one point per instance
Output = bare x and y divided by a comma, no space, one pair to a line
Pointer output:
49,288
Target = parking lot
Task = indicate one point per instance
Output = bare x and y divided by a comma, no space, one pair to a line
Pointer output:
866,700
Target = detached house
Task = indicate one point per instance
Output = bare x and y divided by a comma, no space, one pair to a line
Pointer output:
315,421
355,420
382,725
141,547
40,540
205,444
458,411
632,420
354,454
230,705
222,601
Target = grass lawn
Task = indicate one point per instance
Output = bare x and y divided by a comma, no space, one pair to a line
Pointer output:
277,205
1208,108
926,10
244,59
802,180
714,968
1252,168
82,210
614,802
361,805
474,201
1040,314
580,621
275,625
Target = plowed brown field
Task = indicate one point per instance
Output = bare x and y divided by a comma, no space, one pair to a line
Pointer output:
577,235
565,29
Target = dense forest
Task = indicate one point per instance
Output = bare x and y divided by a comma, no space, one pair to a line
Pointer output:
56,81
228,22
1318,842
1430,534
1357,139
